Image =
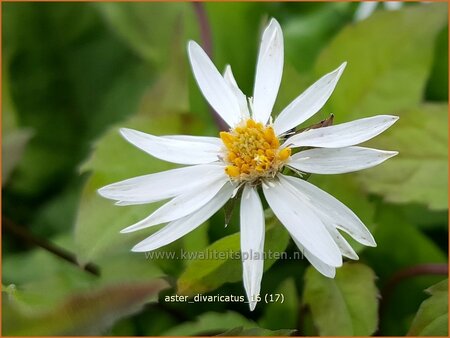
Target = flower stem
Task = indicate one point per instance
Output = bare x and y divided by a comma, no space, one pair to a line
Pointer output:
28,237
206,36
412,271
205,29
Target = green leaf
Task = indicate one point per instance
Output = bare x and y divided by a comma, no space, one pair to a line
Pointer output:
13,147
437,87
220,262
346,305
419,173
386,72
394,228
240,331
37,270
89,313
211,323
9,114
127,268
307,33
425,218
281,315
432,317
14,138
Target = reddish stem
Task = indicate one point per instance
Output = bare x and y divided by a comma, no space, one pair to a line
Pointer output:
30,238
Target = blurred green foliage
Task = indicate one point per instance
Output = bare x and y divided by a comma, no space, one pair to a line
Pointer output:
346,305
432,317
73,73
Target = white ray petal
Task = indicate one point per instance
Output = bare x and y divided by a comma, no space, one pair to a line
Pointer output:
201,139
213,86
344,134
309,102
301,222
180,206
172,149
329,221
252,243
344,246
177,229
341,242
343,218
240,96
325,269
338,160
365,9
159,186
269,70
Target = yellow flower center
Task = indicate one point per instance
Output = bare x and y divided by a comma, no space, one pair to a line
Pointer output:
253,152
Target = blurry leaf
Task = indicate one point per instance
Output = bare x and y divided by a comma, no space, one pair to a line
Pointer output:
281,315
9,114
437,87
13,146
306,35
160,322
124,327
219,263
127,268
90,313
56,215
346,305
432,317
419,173
425,218
14,139
37,270
196,240
392,229
386,72
240,331
147,27
210,323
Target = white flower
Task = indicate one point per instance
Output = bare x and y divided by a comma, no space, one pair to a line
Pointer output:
251,155
366,8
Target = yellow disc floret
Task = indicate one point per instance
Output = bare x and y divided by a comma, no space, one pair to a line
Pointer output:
253,152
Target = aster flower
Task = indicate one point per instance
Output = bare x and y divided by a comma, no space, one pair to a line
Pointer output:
251,156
